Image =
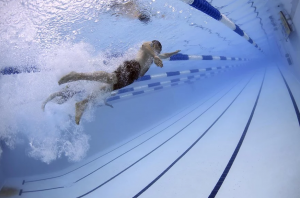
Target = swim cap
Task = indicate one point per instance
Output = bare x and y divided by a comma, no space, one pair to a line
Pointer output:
156,42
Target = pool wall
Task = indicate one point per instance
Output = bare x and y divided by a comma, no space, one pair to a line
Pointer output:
289,47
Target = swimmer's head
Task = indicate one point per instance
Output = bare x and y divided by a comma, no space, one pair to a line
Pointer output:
144,17
157,46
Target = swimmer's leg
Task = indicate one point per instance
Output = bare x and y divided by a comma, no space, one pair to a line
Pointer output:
51,97
80,108
107,104
82,105
100,76
65,95
106,89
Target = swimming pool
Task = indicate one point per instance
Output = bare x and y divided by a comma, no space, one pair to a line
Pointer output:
222,121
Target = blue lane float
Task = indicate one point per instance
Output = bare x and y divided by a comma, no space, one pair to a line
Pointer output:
125,93
18,70
177,73
208,9
162,86
180,57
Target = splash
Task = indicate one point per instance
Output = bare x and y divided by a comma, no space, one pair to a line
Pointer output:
44,34
53,133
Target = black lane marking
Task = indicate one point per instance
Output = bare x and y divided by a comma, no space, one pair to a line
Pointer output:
143,141
187,150
292,97
229,164
148,138
31,191
153,149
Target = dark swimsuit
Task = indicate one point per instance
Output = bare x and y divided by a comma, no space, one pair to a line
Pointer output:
127,74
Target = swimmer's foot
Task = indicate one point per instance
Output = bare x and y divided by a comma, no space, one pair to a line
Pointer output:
80,107
68,78
107,104
43,106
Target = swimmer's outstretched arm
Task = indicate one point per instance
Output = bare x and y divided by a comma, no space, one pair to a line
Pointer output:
167,55
148,49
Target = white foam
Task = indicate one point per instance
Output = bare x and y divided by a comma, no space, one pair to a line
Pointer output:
53,133
29,37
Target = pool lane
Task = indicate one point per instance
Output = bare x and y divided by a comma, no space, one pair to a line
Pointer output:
198,171
101,175
147,169
269,160
53,181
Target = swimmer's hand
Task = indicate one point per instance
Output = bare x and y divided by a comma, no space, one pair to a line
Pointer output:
158,62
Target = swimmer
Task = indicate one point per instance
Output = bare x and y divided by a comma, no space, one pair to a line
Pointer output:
124,75
131,9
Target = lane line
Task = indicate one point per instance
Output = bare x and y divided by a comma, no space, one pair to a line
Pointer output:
171,165
153,149
229,164
292,97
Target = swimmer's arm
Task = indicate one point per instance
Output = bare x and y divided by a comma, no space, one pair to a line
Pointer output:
148,49
168,55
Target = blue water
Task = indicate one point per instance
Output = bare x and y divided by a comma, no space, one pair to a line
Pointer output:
58,37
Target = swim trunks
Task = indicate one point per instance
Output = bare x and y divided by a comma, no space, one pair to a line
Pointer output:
127,73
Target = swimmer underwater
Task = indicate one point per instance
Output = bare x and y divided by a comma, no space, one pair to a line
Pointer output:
130,9
123,76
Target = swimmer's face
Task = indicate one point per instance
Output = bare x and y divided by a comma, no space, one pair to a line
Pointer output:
156,46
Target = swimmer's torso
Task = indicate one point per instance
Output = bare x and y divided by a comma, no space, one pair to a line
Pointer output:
145,61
